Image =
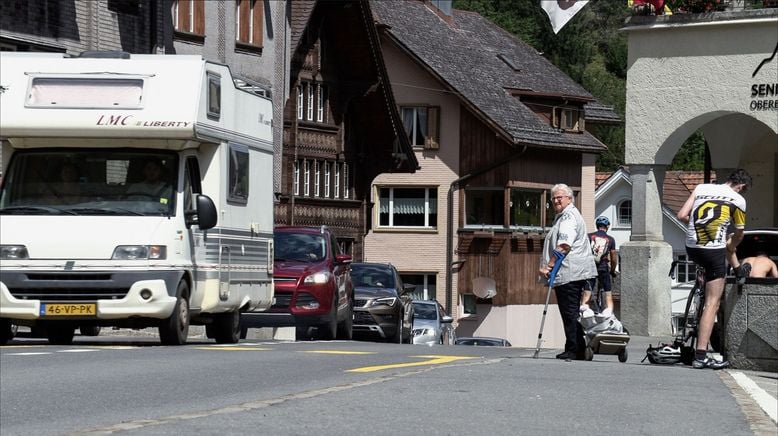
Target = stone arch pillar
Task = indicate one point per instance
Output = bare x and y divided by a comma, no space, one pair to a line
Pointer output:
646,259
685,72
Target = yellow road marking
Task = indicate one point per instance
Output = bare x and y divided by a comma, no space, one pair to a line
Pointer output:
228,348
338,352
432,360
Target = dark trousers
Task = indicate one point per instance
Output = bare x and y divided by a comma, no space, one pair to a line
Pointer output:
568,298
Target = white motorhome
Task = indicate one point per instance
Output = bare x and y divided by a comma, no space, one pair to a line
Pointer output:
137,191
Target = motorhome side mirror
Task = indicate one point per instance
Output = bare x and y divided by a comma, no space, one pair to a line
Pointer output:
342,258
206,212
446,319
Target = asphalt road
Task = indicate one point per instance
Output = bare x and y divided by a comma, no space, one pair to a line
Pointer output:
132,385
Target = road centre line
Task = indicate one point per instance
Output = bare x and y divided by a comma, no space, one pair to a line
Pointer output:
230,348
78,350
765,400
338,352
432,360
31,353
261,404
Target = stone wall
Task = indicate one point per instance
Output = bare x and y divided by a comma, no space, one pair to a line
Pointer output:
751,325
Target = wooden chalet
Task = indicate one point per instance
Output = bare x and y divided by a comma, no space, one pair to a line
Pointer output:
341,125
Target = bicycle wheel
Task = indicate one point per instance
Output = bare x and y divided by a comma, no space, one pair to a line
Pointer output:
691,316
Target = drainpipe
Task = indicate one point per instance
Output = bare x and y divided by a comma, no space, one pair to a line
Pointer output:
450,218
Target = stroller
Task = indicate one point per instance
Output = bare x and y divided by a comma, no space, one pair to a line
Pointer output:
604,334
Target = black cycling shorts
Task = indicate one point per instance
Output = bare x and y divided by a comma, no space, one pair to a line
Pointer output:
714,260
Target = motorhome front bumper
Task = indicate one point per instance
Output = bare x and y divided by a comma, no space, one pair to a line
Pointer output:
144,298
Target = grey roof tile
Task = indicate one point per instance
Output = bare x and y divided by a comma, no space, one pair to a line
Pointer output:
464,55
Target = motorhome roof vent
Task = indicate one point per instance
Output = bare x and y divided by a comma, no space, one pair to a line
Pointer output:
114,54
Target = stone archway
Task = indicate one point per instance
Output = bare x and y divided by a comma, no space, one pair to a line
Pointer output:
714,72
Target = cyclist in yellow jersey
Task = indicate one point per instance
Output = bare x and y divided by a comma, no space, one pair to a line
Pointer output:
710,210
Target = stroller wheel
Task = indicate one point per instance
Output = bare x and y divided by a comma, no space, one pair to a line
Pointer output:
623,355
588,353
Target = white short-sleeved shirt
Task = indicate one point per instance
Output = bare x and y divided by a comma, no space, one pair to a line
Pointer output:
715,207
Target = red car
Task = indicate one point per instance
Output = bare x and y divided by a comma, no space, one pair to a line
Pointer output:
311,284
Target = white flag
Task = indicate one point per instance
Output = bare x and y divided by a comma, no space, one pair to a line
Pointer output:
561,11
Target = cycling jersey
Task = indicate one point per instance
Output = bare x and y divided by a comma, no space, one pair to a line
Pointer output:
715,207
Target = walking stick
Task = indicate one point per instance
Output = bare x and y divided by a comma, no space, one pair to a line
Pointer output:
551,278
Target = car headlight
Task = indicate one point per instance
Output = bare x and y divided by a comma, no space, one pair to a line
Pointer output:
421,332
14,252
139,252
387,301
318,278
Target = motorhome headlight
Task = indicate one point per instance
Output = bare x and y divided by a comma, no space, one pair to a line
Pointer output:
318,278
387,301
13,252
139,252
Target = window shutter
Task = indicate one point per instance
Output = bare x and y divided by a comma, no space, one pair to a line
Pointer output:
183,16
243,20
433,125
199,17
259,9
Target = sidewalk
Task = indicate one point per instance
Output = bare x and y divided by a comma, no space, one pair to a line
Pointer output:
755,391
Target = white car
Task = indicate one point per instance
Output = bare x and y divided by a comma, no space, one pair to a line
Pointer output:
431,325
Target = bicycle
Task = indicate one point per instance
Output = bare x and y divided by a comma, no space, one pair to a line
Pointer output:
695,303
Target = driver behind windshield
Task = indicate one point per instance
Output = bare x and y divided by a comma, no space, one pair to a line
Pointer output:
153,187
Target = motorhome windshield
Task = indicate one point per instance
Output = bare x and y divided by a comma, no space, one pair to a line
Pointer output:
90,182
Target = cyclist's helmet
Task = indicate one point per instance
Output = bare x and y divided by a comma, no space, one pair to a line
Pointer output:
664,354
603,221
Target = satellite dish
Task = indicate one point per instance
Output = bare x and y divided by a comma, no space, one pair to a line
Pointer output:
484,287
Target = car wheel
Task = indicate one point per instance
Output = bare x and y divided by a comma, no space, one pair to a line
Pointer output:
226,328
61,334
303,333
346,327
329,330
175,330
6,331
89,330
398,333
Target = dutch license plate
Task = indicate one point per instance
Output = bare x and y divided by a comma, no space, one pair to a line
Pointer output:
62,309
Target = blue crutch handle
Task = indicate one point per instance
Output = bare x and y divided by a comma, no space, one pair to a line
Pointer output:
557,264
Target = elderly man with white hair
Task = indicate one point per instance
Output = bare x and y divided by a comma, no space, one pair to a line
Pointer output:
568,242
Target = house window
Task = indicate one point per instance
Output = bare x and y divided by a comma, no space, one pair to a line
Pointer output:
189,16
346,246
316,179
527,207
625,213
238,182
421,125
248,19
567,119
484,206
321,97
309,91
425,285
337,180
296,178
469,305
300,102
685,270
345,181
408,207
306,178
326,179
